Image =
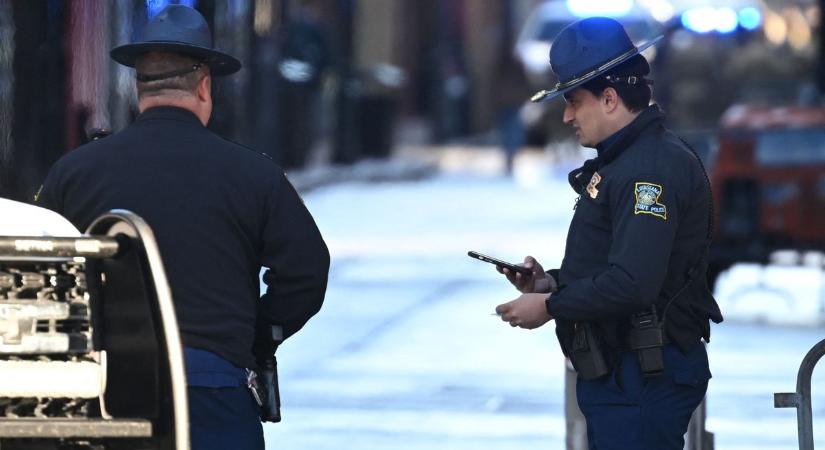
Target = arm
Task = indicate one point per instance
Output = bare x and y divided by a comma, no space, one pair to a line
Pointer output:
645,216
297,260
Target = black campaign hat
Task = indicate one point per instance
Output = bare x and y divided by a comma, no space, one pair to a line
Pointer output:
178,29
586,49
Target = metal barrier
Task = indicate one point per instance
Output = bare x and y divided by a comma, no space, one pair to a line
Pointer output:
96,310
801,399
697,437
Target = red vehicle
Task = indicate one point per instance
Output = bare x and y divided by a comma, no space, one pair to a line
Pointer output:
768,181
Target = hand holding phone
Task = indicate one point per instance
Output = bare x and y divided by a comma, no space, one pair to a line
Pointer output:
527,278
489,259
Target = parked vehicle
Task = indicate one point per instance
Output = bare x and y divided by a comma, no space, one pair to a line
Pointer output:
768,178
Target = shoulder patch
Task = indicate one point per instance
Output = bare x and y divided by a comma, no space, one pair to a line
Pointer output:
647,200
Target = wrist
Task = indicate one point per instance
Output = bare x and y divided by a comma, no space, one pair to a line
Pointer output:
545,285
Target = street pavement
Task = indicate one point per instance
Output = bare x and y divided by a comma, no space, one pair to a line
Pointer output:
406,353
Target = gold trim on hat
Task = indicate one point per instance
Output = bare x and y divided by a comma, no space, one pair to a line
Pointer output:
559,86
597,70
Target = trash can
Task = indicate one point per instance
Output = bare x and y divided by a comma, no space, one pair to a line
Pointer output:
367,112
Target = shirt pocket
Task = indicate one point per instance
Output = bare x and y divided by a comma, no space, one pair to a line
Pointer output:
595,212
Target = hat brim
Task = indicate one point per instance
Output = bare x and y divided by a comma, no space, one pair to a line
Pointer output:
545,95
219,63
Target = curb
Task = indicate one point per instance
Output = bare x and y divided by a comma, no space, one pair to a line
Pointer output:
371,171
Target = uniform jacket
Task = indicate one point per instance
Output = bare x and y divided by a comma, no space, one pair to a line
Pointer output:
219,212
641,224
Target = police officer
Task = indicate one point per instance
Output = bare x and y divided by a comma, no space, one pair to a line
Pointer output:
630,300
219,212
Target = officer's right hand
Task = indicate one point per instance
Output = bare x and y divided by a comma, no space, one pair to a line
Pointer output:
538,282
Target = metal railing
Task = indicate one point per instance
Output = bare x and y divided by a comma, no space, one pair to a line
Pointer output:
801,399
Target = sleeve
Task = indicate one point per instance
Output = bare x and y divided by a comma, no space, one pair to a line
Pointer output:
645,216
296,259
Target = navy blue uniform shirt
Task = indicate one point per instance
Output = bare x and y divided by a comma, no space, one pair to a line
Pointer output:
641,224
219,212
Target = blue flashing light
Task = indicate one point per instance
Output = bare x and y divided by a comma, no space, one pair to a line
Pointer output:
607,8
707,18
726,20
155,6
750,18
699,20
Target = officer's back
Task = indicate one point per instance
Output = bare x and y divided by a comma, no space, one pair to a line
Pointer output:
216,208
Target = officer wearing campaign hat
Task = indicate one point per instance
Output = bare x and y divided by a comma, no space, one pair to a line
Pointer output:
219,211
630,300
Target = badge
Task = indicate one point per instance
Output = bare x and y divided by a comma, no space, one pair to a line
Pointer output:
647,200
591,187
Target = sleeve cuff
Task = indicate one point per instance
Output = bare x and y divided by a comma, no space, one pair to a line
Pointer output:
554,275
548,306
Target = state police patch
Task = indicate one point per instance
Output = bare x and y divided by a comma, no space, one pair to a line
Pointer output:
647,200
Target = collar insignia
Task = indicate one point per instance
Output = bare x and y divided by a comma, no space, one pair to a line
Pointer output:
591,187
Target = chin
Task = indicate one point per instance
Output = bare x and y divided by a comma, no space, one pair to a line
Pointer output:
587,144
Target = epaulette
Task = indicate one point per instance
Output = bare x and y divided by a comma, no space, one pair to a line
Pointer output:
246,147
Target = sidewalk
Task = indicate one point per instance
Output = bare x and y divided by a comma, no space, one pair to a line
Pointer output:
418,162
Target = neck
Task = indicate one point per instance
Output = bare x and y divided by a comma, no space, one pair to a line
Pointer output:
187,103
622,118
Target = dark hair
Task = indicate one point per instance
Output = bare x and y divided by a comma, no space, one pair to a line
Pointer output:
158,63
635,96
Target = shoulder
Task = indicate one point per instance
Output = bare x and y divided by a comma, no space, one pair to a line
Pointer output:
80,158
247,164
661,153
249,154
658,163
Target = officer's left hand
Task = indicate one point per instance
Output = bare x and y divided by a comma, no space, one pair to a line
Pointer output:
528,311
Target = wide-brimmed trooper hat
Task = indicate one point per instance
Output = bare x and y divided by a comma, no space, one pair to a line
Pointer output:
586,49
178,29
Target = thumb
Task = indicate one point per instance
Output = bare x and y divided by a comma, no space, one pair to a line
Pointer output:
503,308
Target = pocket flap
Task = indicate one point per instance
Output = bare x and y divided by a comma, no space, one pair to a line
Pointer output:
691,376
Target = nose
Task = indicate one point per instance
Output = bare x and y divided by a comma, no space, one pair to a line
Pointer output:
568,116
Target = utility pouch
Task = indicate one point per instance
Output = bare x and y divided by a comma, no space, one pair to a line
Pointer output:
647,339
270,394
587,353
266,390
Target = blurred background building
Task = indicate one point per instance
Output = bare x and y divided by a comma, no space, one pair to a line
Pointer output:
336,81
331,83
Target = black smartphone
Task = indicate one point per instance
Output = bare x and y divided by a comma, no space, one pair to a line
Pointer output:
520,269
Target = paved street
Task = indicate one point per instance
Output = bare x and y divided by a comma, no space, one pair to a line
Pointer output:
406,354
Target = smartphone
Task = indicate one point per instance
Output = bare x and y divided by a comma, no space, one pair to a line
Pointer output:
520,269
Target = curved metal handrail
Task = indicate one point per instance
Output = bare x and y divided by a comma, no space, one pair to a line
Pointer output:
167,315
801,399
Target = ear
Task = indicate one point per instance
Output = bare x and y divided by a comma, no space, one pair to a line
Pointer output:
204,91
609,99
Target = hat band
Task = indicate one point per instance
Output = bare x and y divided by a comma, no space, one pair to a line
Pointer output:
597,70
143,78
